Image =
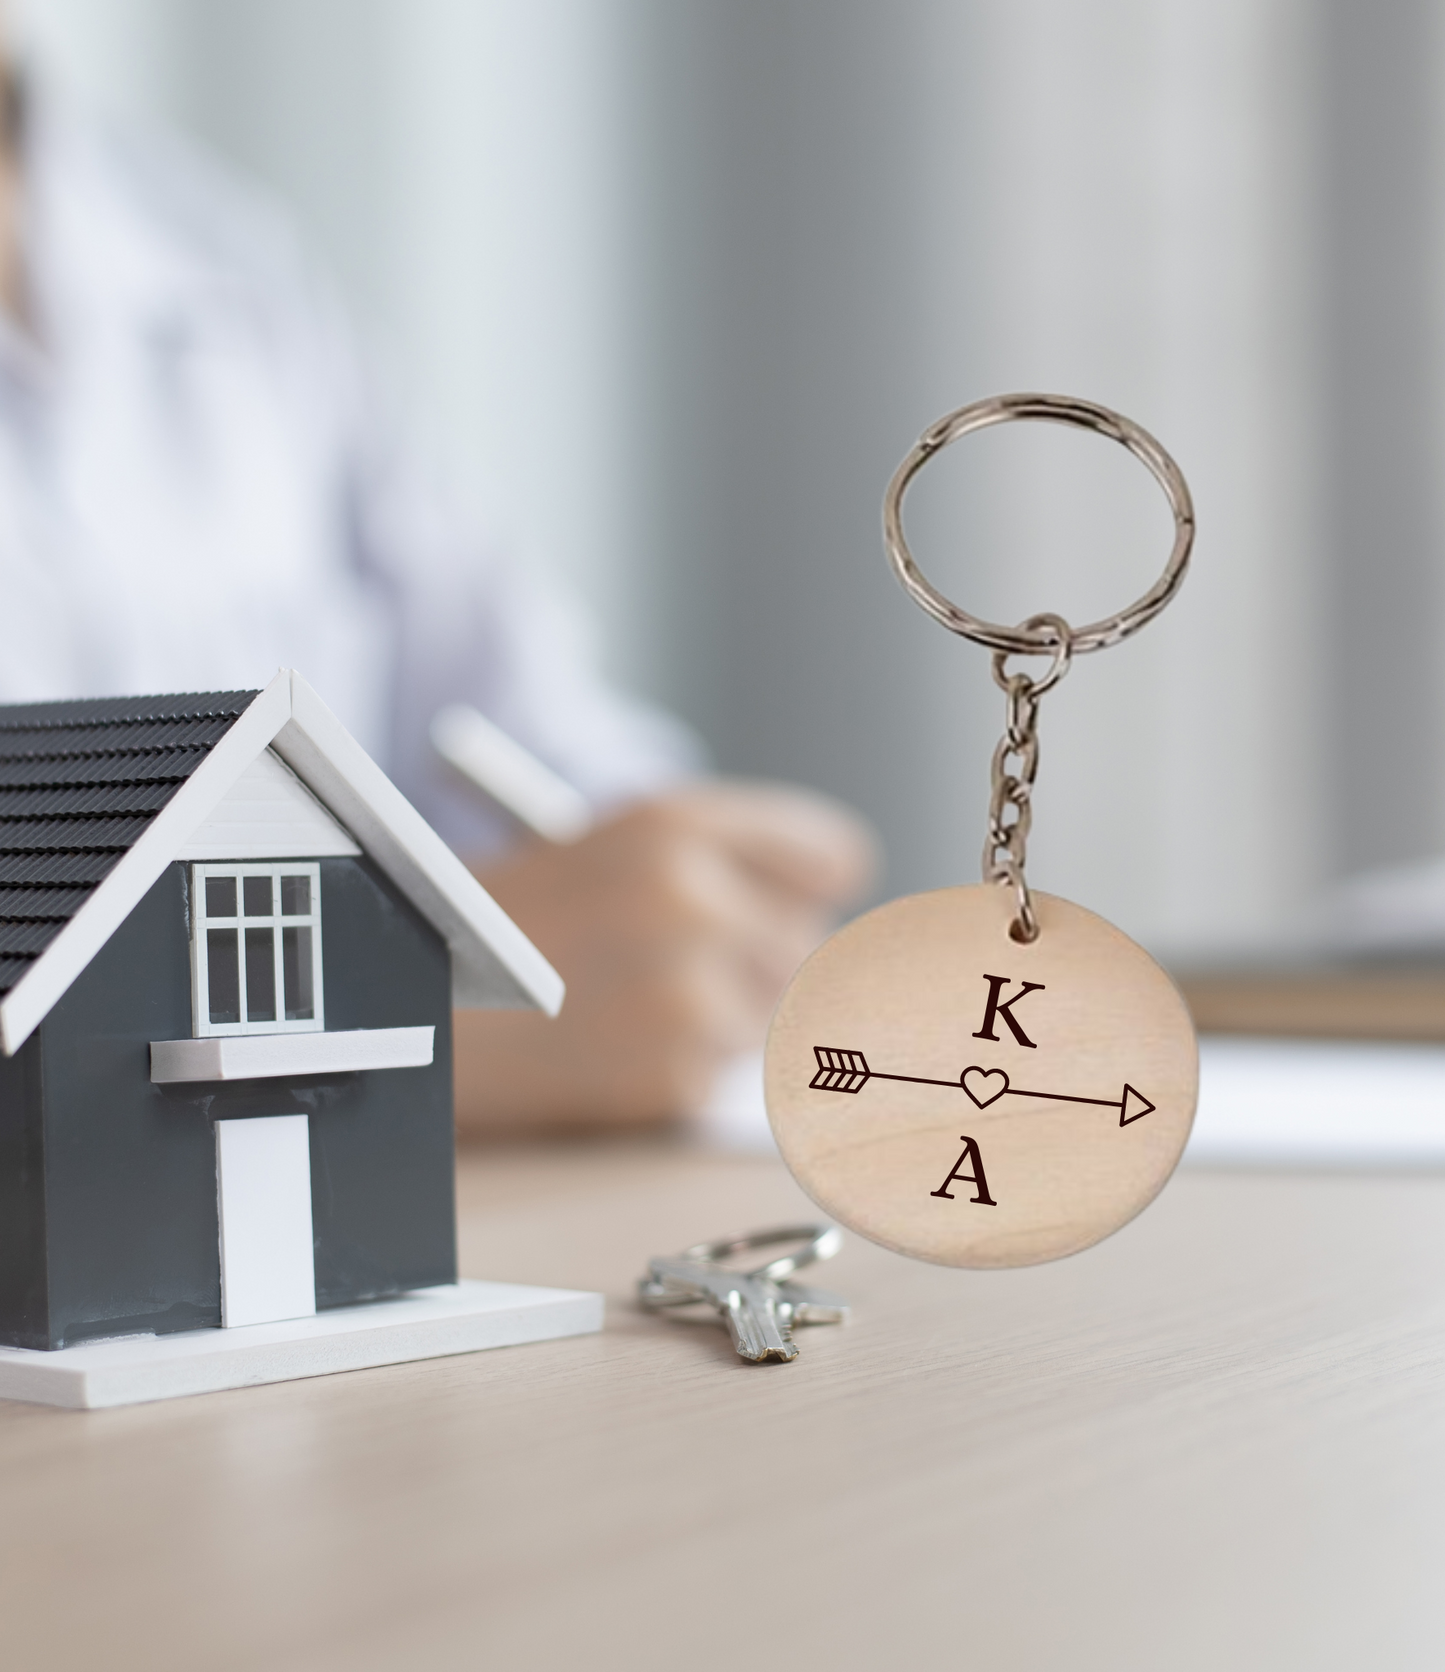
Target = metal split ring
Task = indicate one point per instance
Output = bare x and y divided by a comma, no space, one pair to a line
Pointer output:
1039,635
820,1242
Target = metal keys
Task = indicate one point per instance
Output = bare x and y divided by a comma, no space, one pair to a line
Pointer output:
751,1309
759,1307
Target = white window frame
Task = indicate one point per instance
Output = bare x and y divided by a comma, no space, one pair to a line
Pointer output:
202,1025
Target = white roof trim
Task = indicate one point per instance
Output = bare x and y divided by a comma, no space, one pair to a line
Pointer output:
494,965
493,962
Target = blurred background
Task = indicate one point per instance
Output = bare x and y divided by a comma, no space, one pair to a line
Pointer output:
674,284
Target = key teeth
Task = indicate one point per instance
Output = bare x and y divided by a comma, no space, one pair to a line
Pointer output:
752,1341
779,1355
789,1350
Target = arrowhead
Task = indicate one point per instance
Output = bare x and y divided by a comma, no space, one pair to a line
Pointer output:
1133,1106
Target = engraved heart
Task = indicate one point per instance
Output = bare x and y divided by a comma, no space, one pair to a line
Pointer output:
984,1085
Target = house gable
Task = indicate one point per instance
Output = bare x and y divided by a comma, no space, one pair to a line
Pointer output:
112,860
268,813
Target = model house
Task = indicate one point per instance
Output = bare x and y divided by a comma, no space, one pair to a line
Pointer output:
229,953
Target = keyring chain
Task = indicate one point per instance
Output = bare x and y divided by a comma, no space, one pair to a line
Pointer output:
1011,788
1016,758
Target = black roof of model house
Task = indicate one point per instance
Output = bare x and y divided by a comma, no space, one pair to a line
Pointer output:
98,796
79,783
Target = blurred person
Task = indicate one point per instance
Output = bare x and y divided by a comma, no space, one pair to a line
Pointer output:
197,484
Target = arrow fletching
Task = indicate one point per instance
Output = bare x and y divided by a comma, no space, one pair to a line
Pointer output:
839,1070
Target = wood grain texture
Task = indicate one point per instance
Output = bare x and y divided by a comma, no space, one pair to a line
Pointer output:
1216,1440
1034,1116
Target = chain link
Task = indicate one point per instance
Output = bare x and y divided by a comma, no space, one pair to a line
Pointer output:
1015,766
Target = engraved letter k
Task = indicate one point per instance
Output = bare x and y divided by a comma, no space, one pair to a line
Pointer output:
996,984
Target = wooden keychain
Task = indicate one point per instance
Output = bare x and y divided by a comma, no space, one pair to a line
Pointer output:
987,1076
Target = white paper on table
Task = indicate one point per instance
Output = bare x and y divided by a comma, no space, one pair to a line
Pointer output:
735,1117
1262,1103
1319,1103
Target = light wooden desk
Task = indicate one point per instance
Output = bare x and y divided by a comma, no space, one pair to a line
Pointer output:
1215,1442
1347,1002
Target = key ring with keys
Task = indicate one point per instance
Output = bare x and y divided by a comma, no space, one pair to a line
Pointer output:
819,1242
759,1307
1010,811
985,1076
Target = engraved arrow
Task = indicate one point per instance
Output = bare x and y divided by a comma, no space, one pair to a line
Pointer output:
848,1071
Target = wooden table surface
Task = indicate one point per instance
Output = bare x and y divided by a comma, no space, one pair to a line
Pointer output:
1215,1441
1351,1001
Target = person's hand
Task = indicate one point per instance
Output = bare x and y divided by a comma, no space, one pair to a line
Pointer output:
676,926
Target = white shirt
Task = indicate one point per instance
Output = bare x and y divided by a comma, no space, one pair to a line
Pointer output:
196,488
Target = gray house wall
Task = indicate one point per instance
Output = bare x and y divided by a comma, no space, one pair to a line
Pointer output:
108,1220
24,1312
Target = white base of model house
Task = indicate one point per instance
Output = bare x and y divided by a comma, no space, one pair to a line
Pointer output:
428,1323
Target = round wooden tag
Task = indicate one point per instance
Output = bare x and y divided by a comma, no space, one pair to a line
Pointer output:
954,1095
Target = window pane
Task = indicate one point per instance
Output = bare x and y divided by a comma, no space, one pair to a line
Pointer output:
220,896
296,962
222,969
256,894
295,896
260,974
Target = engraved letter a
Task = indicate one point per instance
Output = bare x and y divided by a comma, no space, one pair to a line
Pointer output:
976,1178
996,984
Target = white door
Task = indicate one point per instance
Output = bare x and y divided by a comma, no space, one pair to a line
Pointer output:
263,1190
